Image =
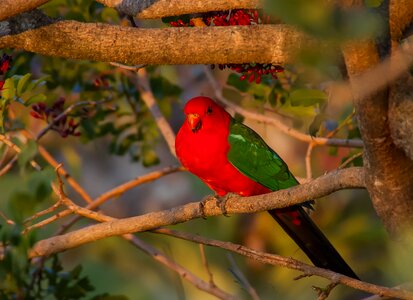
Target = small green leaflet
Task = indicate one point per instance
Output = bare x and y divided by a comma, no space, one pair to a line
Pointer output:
307,97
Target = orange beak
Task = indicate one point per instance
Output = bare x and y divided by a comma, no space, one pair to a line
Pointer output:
194,121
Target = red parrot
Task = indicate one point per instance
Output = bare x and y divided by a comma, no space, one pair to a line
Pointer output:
232,158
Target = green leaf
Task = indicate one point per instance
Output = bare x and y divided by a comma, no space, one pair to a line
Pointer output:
307,97
36,83
39,183
123,146
232,94
110,15
149,157
235,81
354,133
260,92
333,151
316,124
163,88
3,111
75,273
9,90
373,3
22,84
35,99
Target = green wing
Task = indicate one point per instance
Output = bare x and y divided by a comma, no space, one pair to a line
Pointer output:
255,159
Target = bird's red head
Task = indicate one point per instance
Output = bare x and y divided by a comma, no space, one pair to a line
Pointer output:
203,112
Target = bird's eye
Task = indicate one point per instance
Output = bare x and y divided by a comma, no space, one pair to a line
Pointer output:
209,110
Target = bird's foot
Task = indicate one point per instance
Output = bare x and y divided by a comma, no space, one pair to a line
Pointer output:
203,203
222,202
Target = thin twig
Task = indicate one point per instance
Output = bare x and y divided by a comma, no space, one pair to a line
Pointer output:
318,141
405,286
9,165
323,293
8,221
240,276
290,263
4,154
42,213
146,248
70,180
55,217
115,192
65,113
349,160
17,149
345,122
150,101
142,84
181,271
308,169
206,265
121,189
126,67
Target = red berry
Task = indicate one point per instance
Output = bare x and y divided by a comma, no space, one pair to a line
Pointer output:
35,115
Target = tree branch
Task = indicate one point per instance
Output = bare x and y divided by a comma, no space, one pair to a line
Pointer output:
10,8
389,172
149,99
142,9
198,45
155,9
324,185
146,248
290,263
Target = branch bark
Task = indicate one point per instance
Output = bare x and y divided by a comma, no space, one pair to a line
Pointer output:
9,8
389,172
109,43
152,9
339,179
142,9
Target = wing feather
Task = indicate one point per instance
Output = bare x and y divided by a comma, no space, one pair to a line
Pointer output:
255,159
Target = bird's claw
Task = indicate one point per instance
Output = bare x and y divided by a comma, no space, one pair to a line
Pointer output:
222,202
202,205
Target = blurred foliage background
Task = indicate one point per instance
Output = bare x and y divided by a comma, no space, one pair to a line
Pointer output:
115,139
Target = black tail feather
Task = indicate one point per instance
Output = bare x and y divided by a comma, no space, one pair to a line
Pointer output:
298,225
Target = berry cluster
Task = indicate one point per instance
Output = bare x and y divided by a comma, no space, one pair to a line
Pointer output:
253,72
5,62
101,82
238,17
64,125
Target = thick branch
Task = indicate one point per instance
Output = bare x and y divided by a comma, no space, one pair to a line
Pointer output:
389,172
153,9
109,43
9,8
143,9
339,179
